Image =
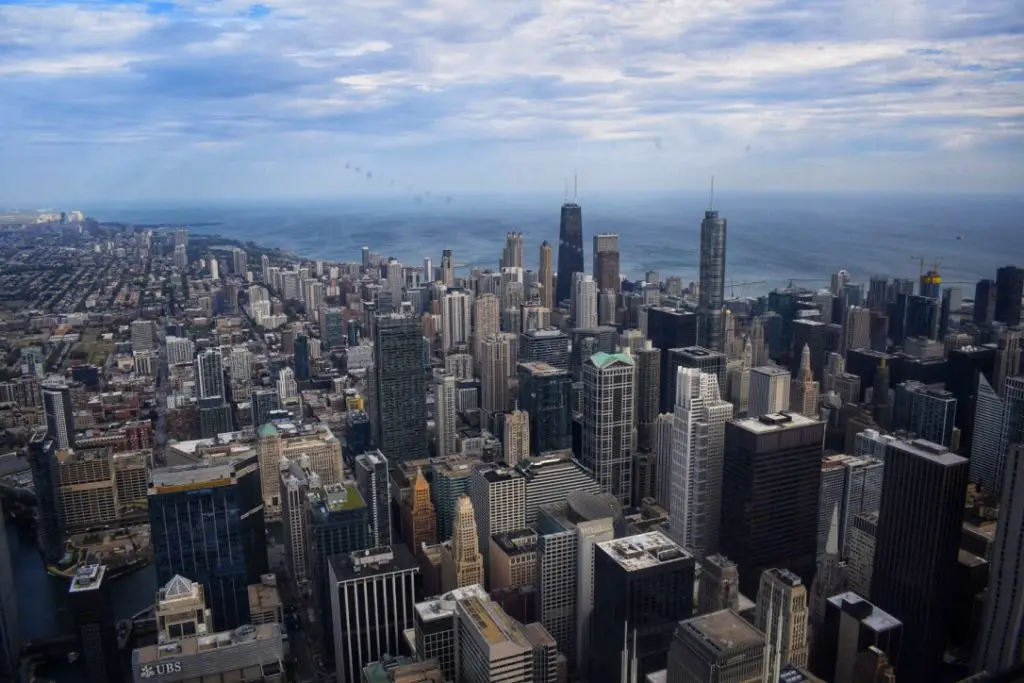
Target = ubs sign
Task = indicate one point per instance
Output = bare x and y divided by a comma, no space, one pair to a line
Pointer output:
150,671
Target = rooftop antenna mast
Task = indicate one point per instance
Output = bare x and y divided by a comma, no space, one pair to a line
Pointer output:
565,195
711,198
573,188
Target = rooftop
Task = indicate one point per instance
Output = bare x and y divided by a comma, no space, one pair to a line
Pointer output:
542,369
771,370
775,422
373,562
336,497
443,606
87,578
644,550
493,623
517,542
877,620
494,474
929,450
696,352
264,596
269,634
603,360
723,631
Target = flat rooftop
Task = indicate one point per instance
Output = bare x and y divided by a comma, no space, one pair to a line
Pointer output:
199,475
373,562
644,550
443,606
878,620
493,623
270,634
930,450
517,542
697,352
775,422
542,369
771,370
496,475
724,631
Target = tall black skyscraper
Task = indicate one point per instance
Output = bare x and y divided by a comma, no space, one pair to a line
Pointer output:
570,249
42,457
669,329
984,302
770,487
644,587
301,357
916,549
398,404
712,280
545,393
1009,289
90,602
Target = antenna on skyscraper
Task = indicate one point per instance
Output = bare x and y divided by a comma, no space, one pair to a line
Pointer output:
565,196
711,199
573,188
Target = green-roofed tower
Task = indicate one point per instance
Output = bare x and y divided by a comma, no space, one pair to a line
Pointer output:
609,438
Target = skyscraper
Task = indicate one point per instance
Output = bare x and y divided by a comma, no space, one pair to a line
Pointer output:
716,647
606,261
712,280
644,585
512,254
42,457
545,395
495,368
1001,644
771,479
670,329
89,599
60,416
486,322
10,630
696,468
372,599
207,521
608,434
445,427
856,329
515,437
570,249
984,302
1009,290
584,301
499,502
719,586
782,617
546,277
400,410
648,389
769,390
804,391
461,562
209,374
916,549
456,319
419,522
447,268
301,357
371,469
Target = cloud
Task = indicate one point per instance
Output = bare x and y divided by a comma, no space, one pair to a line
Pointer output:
463,92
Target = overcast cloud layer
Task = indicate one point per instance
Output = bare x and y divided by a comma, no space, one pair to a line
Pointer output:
223,98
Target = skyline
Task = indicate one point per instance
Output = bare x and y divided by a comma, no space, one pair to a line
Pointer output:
148,101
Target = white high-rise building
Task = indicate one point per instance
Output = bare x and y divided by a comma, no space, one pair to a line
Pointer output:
445,401
179,350
584,300
239,364
769,390
210,373
698,450
286,385
456,319
486,322
1001,644
498,495
142,335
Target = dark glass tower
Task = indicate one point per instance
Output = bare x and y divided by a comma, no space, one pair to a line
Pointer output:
60,418
1009,289
90,602
984,302
916,549
207,523
669,329
545,392
42,457
570,249
712,280
771,484
371,469
399,410
644,587
301,357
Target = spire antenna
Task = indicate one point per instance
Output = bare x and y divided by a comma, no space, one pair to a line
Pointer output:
573,188
711,199
565,195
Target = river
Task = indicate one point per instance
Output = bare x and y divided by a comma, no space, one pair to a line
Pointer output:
42,599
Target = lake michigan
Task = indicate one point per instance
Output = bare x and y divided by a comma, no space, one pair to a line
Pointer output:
772,238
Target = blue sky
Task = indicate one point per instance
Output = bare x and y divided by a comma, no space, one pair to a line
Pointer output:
105,100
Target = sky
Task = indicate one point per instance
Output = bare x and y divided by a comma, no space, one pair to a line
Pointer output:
205,99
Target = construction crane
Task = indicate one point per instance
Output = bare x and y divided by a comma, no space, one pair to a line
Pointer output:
919,259
733,285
